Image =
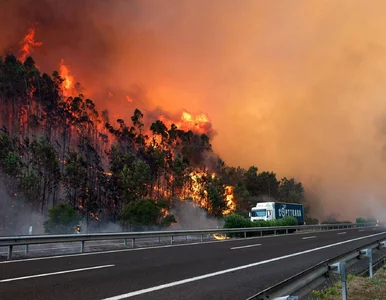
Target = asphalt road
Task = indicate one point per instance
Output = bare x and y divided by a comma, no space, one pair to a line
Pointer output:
231,269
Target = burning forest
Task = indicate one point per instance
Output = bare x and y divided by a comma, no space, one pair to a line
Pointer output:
57,147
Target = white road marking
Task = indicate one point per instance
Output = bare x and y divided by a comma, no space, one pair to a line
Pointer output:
156,247
309,237
56,273
342,232
175,283
361,230
247,246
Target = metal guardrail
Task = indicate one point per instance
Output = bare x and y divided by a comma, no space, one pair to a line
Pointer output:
298,285
133,236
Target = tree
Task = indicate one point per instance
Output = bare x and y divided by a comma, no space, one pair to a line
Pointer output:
252,181
291,191
145,212
214,194
62,219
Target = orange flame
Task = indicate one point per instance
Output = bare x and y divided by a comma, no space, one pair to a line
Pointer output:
220,237
199,124
231,205
28,43
68,80
130,100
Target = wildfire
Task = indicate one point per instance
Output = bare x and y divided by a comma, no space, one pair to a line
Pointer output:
199,124
220,237
198,193
231,205
94,216
68,80
27,44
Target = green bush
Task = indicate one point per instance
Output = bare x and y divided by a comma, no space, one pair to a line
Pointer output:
62,219
361,220
145,212
237,221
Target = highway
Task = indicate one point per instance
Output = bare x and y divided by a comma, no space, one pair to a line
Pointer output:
230,269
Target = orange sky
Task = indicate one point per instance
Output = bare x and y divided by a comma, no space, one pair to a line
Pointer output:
296,87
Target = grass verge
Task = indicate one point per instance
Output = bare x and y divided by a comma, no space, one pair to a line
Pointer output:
358,288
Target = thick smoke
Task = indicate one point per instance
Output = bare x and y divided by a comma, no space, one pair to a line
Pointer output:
16,215
295,87
189,216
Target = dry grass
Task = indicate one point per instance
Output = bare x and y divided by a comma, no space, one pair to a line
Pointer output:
359,288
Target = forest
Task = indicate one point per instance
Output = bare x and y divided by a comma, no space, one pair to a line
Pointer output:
57,147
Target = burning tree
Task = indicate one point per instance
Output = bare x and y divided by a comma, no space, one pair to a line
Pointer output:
56,146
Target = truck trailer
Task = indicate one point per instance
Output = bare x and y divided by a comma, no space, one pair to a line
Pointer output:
274,210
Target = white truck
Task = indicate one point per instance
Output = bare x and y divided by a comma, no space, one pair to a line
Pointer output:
273,210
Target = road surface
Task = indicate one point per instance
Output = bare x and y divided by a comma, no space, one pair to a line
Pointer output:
230,269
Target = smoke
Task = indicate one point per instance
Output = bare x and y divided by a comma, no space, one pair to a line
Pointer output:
189,216
294,87
16,215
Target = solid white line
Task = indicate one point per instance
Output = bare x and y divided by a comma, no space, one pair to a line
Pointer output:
248,246
56,273
156,247
361,230
171,284
309,237
342,232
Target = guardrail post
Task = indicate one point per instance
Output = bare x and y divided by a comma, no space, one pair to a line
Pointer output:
369,253
82,246
245,234
159,240
26,246
171,240
133,243
286,231
10,251
125,242
202,237
340,268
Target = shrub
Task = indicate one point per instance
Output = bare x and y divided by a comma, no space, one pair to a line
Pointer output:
62,218
145,213
237,221
361,220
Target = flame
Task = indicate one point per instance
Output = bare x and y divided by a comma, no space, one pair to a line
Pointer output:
68,80
199,124
220,237
198,193
231,205
28,43
95,216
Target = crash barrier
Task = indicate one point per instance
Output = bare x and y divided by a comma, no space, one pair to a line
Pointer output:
300,284
11,241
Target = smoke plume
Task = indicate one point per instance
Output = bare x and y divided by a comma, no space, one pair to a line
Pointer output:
295,87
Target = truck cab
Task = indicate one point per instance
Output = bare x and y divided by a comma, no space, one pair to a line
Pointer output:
263,211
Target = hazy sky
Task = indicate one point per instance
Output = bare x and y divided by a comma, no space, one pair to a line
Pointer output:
296,87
